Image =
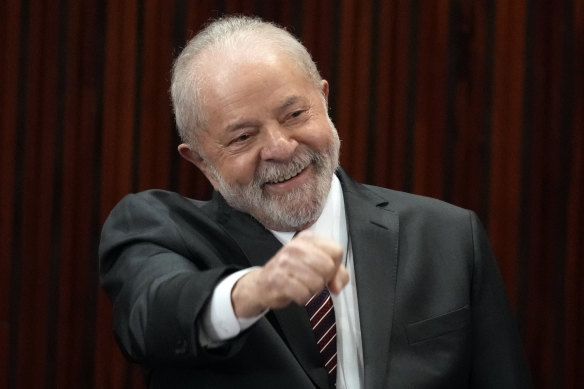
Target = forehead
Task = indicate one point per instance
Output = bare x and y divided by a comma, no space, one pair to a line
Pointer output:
250,79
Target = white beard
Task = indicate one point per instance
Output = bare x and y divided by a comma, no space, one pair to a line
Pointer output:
286,212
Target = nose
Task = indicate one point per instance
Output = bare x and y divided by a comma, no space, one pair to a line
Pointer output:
278,145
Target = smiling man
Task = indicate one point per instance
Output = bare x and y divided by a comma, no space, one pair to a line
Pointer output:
267,145
378,288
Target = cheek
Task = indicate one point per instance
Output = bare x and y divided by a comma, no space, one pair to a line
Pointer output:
319,136
239,170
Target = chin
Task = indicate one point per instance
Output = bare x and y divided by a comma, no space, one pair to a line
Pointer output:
289,215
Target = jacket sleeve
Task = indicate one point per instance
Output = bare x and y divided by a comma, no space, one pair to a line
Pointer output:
498,360
159,268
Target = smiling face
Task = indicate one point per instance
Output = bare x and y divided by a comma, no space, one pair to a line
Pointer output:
268,145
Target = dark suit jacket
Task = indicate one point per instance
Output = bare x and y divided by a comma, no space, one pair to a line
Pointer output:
432,304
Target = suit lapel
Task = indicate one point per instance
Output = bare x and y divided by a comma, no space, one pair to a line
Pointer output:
373,230
292,323
374,233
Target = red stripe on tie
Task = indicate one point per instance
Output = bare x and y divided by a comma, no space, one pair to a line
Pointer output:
322,320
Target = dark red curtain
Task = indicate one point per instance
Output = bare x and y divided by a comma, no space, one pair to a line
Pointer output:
477,102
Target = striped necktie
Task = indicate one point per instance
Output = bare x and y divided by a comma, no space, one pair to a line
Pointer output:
322,320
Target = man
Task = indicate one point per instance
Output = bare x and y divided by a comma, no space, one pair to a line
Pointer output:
221,294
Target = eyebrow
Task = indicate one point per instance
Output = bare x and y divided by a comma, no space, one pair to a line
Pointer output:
290,101
238,125
251,123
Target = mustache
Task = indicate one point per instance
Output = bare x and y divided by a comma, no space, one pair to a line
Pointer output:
273,172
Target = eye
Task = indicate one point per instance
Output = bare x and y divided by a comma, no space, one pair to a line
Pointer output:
240,139
296,114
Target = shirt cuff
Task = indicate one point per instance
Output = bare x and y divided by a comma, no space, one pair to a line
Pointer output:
218,320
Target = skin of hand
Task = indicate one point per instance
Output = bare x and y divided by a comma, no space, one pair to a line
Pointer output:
300,269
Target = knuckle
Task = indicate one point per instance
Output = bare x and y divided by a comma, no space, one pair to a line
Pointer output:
328,267
284,260
275,277
338,251
292,249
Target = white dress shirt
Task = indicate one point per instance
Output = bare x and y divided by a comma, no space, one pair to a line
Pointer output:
219,322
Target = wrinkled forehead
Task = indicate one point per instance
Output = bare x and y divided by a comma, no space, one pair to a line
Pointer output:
243,70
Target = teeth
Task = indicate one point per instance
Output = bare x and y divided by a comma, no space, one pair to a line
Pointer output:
289,177
286,178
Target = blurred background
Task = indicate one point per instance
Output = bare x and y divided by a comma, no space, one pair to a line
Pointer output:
476,102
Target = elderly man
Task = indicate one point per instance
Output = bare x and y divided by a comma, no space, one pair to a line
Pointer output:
234,292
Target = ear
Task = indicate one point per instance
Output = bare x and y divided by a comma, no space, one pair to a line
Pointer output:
325,90
188,153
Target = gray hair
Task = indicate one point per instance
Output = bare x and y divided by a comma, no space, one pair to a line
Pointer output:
227,34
